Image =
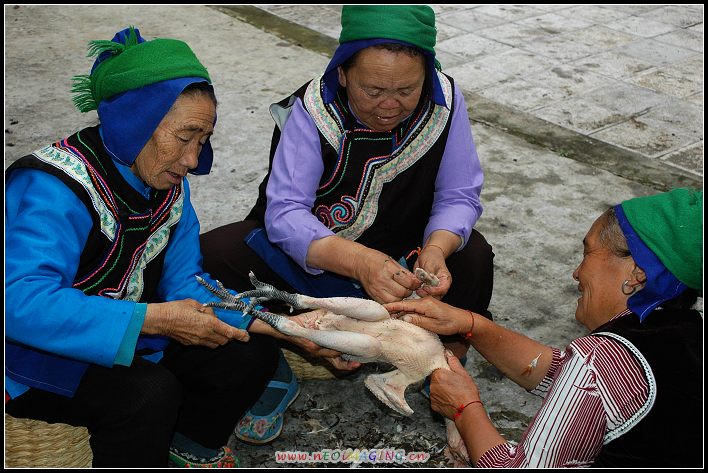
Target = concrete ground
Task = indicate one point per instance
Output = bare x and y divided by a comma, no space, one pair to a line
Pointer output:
547,179
617,86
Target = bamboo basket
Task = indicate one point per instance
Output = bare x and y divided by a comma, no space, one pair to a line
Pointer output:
37,444
304,369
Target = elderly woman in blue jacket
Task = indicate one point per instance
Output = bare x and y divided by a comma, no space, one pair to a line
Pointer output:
105,326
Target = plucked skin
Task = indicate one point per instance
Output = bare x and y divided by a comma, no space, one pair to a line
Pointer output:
365,334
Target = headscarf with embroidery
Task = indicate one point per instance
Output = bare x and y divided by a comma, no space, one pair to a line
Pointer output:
133,84
664,233
369,25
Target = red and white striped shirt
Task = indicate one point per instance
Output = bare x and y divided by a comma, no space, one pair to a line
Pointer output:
593,392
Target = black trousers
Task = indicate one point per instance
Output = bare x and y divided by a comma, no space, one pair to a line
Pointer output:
132,412
228,259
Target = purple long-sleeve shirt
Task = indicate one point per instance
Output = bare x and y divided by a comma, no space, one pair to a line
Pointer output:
297,169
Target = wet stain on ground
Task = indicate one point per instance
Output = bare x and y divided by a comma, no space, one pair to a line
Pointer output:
487,371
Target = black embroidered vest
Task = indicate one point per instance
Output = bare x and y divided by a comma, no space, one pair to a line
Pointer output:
123,256
667,432
124,253
377,188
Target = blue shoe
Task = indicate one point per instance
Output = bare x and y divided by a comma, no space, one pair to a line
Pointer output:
425,389
186,453
263,422
224,458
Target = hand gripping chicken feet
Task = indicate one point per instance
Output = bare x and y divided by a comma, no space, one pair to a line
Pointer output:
361,329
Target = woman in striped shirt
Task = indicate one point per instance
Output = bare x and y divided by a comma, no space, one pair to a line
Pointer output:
611,396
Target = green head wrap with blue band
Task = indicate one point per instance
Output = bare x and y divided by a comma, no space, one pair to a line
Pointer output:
133,84
364,26
664,234
671,226
131,64
414,24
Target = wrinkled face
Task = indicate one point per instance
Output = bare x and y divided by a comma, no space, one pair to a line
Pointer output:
383,86
600,276
175,145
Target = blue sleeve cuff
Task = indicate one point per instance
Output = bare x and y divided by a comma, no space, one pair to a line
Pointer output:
13,388
126,350
234,318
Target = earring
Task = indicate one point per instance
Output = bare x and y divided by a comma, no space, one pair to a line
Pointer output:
626,284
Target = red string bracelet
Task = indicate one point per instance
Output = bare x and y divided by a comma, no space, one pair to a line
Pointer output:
414,252
462,408
468,334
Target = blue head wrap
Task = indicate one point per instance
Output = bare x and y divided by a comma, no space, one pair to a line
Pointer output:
348,49
129,119
661,284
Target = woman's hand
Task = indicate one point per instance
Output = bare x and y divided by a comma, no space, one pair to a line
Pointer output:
380,275
383,278
189,323
432,260
451,389
432,314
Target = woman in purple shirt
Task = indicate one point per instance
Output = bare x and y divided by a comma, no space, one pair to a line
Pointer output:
373,173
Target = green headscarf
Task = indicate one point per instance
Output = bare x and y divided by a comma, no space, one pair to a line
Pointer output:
671,226
130,64
414,24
